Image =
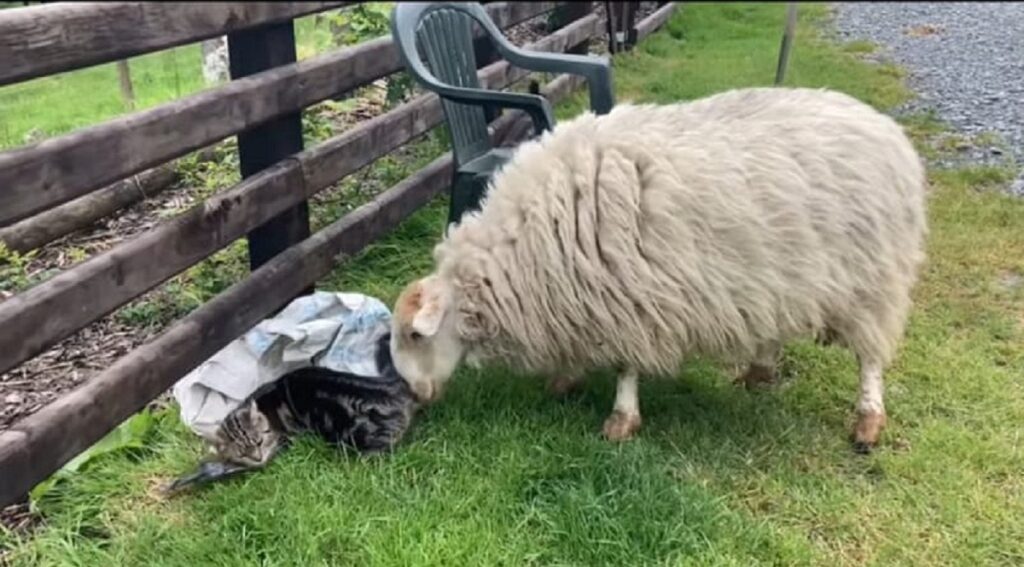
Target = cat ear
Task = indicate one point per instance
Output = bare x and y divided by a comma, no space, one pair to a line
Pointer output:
243,409
257,418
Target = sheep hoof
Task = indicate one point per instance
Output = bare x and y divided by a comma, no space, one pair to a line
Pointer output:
621,426
757,375
868,431
562,385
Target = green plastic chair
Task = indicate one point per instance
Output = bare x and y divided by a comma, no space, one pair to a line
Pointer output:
443,32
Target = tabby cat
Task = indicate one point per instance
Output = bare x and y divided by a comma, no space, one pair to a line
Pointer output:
368,414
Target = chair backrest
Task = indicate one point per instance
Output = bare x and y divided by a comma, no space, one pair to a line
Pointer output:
444,40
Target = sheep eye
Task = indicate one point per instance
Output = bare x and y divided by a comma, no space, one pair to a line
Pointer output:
415,336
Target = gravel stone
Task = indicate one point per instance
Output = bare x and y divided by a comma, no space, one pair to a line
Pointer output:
965,60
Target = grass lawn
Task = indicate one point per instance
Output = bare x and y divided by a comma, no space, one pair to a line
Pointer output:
57,104
501,474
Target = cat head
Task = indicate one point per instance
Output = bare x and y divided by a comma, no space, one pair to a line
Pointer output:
246,437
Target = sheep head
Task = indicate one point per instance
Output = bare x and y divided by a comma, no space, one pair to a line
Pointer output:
425,342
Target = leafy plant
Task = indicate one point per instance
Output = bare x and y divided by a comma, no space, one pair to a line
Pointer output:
361,22
14,275
399,88
131,434
316,127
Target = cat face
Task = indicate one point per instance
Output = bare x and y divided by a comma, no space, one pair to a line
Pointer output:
247,438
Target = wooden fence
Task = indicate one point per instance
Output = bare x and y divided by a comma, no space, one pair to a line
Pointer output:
262,106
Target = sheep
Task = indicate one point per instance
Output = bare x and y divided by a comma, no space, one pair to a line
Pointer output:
722,227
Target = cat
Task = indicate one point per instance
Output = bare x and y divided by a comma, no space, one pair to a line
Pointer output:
368,414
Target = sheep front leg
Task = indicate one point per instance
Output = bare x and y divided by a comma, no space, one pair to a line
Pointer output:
870,407
624,421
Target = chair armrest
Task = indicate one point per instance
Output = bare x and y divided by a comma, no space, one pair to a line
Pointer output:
537,107
596,70
403,29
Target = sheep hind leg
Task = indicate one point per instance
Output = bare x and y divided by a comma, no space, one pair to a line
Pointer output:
624,421
762,371
561,385
870,407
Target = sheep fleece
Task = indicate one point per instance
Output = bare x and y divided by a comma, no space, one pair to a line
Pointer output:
714,227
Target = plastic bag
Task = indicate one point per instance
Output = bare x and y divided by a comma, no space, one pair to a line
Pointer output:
338,331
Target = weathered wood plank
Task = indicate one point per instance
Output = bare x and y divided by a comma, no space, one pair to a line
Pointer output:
76,297
653,22
58,37
35,447
569,12
39,230
47,226
54,171
38,445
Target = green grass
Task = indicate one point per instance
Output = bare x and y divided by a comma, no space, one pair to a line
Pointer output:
54,105
61,103
502,474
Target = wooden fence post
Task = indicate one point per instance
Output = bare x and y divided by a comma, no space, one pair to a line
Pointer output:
124,77
251,51
568,12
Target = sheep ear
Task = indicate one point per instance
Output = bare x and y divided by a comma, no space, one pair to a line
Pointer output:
434,302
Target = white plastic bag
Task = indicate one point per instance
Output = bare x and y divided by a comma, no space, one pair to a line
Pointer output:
338,331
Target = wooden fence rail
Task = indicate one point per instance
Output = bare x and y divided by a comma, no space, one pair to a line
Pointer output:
653,22
54,171
39,444
43,40
90,290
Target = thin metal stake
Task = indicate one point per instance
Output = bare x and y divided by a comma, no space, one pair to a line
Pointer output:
787,42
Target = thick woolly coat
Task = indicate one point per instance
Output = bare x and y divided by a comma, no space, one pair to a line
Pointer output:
710,227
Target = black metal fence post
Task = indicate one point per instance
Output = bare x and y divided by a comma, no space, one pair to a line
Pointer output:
629,24
620,22
249,52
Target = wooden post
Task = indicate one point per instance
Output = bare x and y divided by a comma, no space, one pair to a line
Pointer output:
124,76
569,12
787,43
629,24
249,52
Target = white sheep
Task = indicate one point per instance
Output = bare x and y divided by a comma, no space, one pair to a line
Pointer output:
724,227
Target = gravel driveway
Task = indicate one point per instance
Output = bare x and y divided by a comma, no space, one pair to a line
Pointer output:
964,60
